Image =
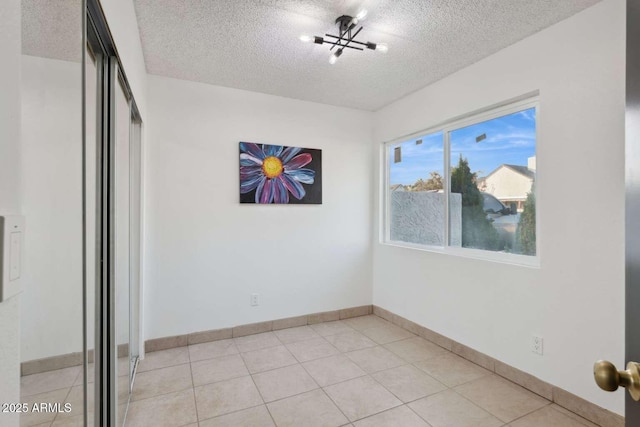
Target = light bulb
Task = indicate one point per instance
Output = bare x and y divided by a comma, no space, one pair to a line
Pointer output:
333,58
362,14
305,38
382,47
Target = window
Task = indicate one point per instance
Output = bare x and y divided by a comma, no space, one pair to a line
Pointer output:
467,187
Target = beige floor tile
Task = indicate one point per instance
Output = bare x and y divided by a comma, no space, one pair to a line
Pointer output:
452,370
361,397
174,409
350,341
386,334
31,417
252,417
257,342
218,369
408,383
365,322
401,416
164,359
501,398
572,415
415,349
162,381
312,409
548,417
375,359
124,365
332,370
312,349
449,409
123,389
209,350
90,375
284,382
291,335
75,421
75,399
268,358
226,396
331,328
48,381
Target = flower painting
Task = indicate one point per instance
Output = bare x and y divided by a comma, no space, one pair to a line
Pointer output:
279,174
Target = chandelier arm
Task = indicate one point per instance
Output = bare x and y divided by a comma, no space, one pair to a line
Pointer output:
343,45
352,41
342,33
351,37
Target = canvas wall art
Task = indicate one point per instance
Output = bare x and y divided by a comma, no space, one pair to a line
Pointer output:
280,174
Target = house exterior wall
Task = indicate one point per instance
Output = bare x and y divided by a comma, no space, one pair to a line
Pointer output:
508,185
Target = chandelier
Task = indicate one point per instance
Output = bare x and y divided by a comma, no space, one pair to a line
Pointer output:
346,39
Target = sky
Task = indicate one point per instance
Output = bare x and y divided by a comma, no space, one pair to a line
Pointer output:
509,139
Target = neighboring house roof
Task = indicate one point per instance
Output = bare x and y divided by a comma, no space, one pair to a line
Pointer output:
397,187
522,170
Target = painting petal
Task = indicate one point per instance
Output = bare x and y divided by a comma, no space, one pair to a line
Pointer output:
266,189
305,176
294,187
253,149
250,184
289,152
298,161
249,160
250,171
272,150
281,195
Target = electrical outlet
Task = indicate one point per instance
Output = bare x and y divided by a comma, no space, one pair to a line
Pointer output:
255,300
536,345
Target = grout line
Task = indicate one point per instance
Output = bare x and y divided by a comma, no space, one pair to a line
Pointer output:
159,395
193,386
528,413
232,412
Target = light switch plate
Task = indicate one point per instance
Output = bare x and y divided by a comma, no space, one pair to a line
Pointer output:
11,255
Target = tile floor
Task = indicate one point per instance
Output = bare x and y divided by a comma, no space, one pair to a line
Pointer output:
360,372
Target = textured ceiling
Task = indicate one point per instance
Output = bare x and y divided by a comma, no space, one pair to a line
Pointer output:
253,44
52,29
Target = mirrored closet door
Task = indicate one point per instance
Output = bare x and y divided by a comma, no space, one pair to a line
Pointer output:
81,187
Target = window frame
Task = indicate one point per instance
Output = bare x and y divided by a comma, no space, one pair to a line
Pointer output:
503,109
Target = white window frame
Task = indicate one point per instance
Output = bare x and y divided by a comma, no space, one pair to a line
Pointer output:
522,103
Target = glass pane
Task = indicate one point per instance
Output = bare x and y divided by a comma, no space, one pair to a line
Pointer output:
416,196
122,246
136,180
51,189
493,170
90,205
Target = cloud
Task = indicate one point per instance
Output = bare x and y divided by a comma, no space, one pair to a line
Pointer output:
529,114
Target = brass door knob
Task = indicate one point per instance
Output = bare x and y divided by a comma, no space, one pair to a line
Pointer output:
609,378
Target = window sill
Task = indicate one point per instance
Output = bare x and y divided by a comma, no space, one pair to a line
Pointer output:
478,254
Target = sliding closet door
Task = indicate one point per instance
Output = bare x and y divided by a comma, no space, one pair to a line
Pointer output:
52,179
122,245
92,61
135,240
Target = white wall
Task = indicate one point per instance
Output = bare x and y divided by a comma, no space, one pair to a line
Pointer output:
10,195
575,300
51,182
206,253
123,24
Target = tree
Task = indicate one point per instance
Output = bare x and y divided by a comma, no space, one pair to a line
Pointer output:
526,233
434,183
477,231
